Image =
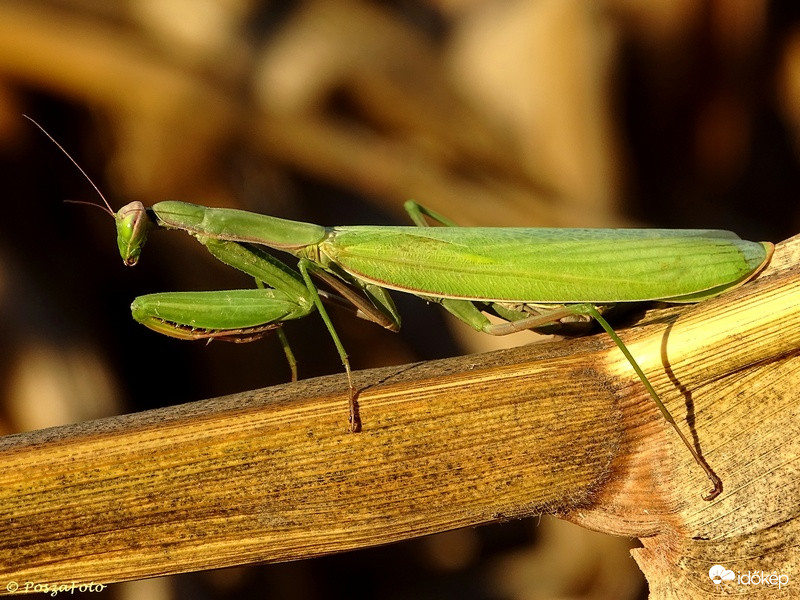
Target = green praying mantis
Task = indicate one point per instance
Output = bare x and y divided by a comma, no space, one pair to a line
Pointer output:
529,277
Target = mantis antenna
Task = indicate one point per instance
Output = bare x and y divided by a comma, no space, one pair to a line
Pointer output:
107,208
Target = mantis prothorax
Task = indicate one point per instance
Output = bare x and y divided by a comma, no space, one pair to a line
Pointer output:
530,277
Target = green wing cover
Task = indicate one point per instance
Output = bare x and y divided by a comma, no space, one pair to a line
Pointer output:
547,265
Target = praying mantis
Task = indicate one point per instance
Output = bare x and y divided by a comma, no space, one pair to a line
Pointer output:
529,277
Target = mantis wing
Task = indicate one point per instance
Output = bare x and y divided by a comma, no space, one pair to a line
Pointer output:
548,265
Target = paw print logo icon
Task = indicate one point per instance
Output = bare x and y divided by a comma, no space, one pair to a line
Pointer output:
718,574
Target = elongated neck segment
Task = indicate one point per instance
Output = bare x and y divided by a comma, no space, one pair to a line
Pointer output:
133,225
237,225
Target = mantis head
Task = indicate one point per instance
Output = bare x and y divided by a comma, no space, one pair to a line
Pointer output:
133,221
133,225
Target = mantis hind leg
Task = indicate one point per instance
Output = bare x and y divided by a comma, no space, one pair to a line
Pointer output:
590,310
469,313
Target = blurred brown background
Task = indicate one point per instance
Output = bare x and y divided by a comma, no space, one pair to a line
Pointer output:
667,113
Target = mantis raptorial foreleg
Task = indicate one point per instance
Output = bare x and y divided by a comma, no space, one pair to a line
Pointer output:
291,295
374,304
